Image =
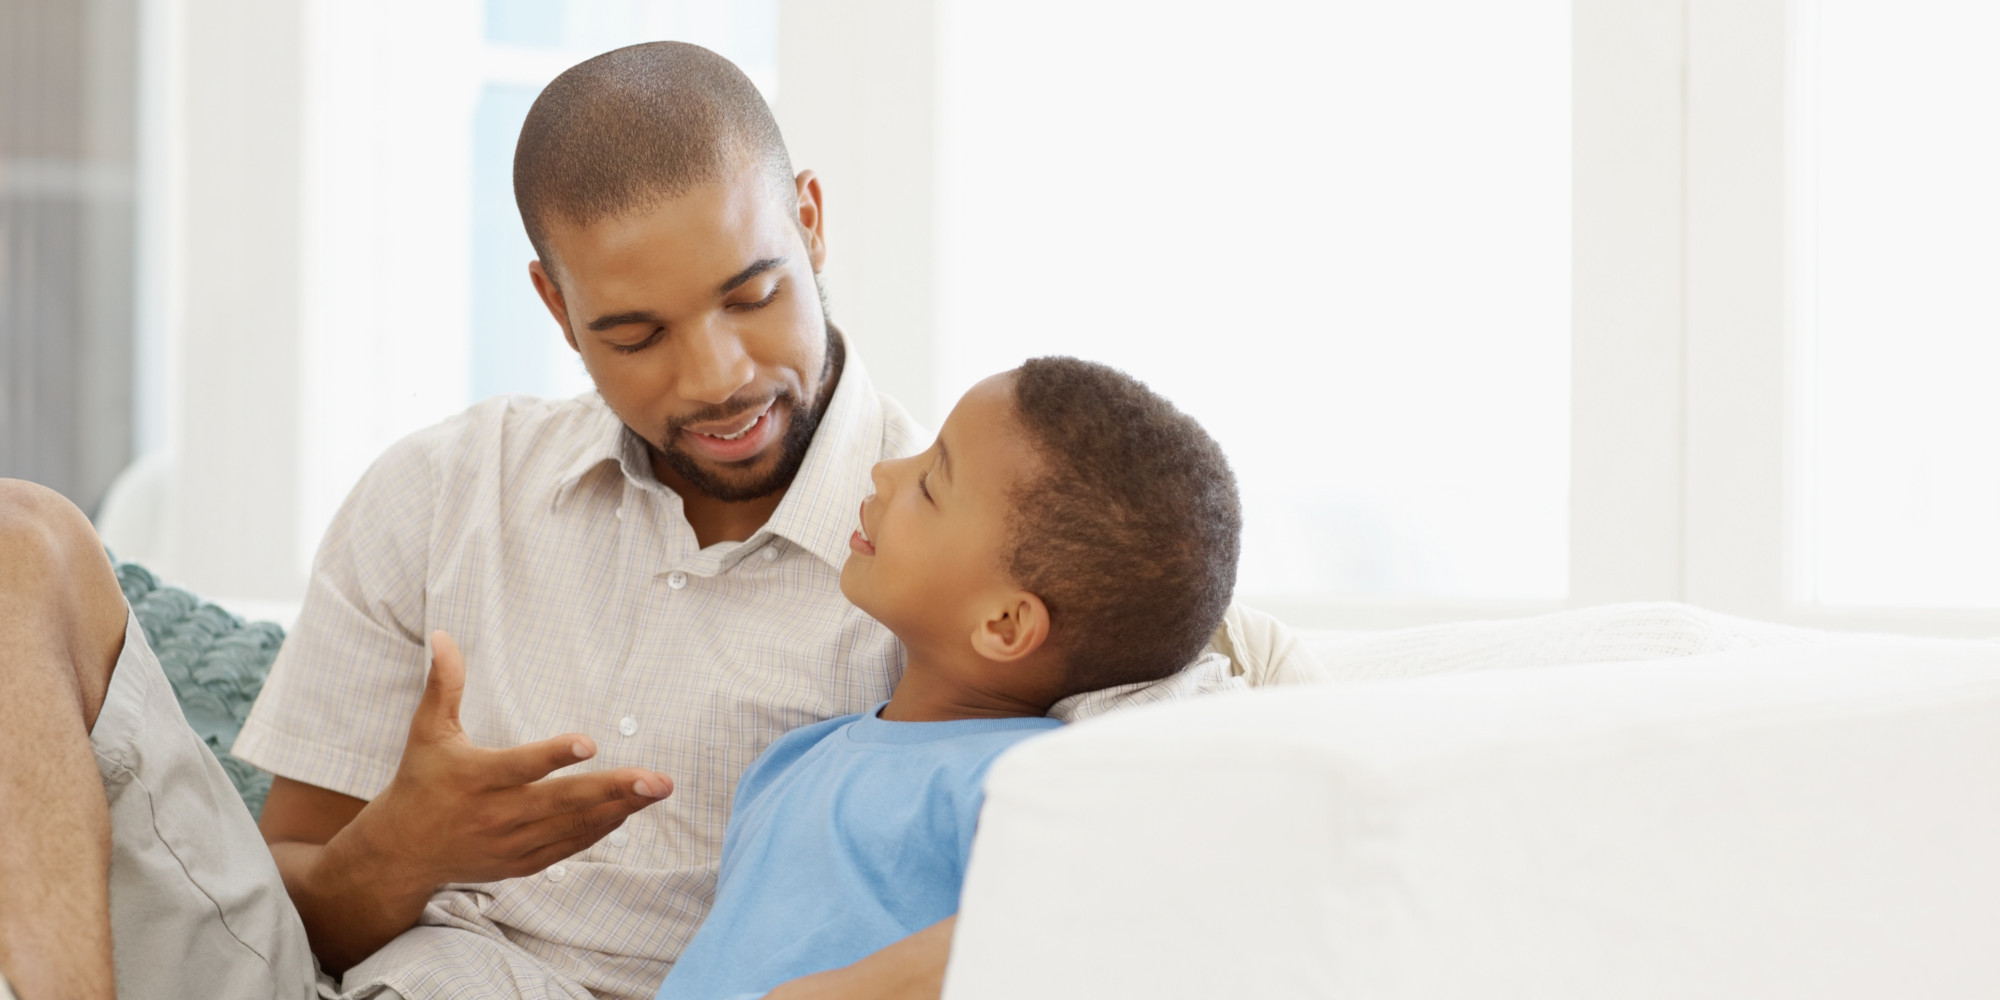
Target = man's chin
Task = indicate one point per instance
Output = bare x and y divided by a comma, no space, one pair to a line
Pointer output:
752,478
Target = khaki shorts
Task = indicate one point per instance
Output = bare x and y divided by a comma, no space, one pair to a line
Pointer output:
197,907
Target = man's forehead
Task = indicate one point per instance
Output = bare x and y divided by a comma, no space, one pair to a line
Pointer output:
664,254
730,219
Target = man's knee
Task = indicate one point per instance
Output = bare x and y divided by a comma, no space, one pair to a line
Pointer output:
54,575
44,540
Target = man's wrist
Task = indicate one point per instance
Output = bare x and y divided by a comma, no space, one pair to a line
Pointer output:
364,862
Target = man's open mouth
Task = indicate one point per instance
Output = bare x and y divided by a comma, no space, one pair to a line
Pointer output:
740,438
744,424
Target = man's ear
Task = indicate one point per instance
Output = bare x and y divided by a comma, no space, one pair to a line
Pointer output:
812,217
552,297
1016,627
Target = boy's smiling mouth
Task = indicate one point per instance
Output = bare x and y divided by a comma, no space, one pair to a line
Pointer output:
859,541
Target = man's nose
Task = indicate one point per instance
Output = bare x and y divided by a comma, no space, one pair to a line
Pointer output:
713,364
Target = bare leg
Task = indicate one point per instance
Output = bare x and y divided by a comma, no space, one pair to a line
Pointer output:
62,624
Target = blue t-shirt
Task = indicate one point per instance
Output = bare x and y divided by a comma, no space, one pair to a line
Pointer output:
846,836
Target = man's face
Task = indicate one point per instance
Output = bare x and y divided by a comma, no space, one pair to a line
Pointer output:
700,321
930,554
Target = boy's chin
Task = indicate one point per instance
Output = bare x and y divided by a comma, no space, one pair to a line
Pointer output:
854,585
850,585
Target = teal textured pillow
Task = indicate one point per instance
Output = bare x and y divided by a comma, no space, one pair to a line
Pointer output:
216,663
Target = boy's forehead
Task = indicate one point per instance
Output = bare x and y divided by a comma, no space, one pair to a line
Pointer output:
983,439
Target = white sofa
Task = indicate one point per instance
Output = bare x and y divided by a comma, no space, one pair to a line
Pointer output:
1636,801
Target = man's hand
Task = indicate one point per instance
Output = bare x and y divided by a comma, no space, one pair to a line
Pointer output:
910,969
360,874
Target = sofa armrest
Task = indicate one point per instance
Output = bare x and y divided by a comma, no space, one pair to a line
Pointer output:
1790,821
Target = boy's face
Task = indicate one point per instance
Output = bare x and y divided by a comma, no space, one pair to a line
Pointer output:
931,550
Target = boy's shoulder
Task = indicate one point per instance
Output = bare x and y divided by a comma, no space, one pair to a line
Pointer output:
786,751
963,749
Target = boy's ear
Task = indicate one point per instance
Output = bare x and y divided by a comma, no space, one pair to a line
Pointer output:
1013,629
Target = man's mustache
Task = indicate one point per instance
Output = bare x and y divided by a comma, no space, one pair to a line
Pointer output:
730,409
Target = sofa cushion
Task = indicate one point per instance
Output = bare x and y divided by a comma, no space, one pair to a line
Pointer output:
215,661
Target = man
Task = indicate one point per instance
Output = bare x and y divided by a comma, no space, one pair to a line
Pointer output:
645,580
653,575
655,572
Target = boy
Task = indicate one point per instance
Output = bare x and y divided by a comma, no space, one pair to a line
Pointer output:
1068,531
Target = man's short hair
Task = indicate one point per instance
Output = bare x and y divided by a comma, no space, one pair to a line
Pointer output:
634,127
1130,534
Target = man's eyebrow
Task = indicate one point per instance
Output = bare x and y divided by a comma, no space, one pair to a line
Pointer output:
603,323
637,316
736,280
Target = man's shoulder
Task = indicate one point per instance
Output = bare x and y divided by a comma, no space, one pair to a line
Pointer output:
504,432
902,435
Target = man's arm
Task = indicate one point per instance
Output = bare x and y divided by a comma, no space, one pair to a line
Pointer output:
360,872
910,969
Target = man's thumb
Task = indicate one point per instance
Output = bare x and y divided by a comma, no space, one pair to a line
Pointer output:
437,714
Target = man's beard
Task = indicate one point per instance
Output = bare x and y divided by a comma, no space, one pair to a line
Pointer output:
804,423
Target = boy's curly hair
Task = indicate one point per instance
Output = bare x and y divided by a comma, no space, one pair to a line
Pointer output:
1131,534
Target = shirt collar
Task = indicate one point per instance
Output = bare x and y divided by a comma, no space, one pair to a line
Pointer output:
822,506
611,441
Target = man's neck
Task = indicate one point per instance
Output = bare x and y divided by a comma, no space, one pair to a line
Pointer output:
715,520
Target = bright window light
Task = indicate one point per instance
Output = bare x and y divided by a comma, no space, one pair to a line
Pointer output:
1338,234
1900,235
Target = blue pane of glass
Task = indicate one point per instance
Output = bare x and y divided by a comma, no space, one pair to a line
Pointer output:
535,23
515,346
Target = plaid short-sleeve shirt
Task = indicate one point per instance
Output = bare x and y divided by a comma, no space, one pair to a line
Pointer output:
535,532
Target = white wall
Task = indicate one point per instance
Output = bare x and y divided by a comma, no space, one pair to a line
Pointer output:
856,101
231,241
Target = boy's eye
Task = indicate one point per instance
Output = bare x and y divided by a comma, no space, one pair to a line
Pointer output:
924,484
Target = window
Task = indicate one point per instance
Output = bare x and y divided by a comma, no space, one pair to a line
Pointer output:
1899,241
1336,234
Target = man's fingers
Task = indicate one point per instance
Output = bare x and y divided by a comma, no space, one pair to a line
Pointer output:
587,826
549,854
533,761
437,713
577,793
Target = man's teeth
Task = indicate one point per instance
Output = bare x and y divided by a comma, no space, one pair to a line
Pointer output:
738,434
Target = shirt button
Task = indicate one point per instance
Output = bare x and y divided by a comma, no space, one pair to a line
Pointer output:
619,838
557,873
770,553
628,726
619,513
677,579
